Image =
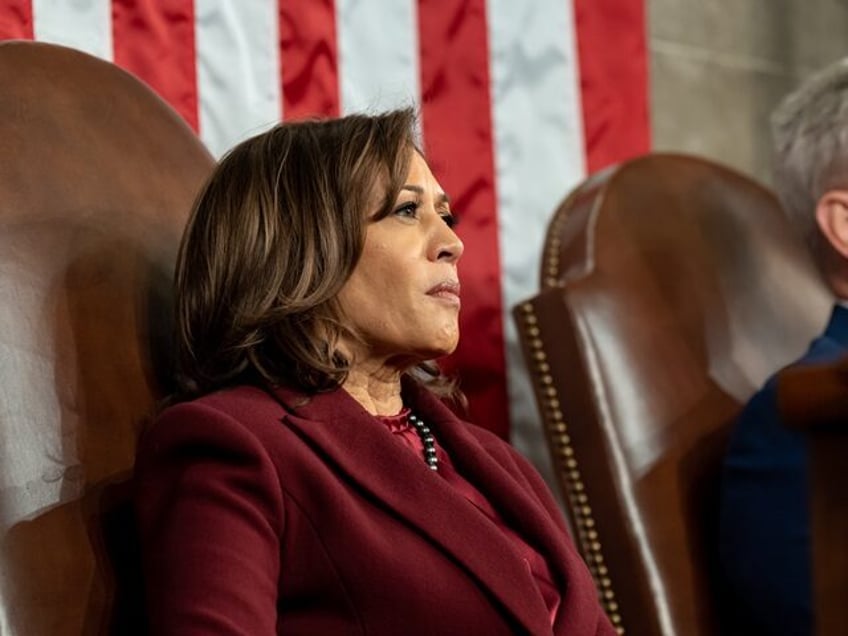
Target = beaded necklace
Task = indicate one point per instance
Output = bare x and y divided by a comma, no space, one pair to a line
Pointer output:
428,441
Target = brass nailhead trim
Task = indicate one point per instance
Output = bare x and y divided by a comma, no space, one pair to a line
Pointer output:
553,243
566,460
551,255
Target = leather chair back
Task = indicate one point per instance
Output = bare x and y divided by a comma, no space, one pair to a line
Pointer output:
814,399
97,177
671,288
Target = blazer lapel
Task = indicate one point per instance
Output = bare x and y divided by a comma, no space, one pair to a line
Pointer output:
505,489
514,500
366,452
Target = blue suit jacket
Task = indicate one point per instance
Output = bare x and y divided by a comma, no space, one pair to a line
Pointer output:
764,518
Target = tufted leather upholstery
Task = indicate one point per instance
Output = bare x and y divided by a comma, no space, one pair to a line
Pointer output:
97,176
671,288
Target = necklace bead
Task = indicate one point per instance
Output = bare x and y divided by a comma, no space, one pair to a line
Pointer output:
427,440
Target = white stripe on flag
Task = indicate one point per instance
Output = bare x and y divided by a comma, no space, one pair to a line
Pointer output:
378,54
539,157
238,70
85,25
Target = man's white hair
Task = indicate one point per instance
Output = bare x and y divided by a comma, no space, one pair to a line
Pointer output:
810,136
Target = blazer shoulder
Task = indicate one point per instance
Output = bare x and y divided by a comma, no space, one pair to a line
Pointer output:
242,403
242,412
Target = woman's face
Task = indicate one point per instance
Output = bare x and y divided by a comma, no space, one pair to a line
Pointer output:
403,295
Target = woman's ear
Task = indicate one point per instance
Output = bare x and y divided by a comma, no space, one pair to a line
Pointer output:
832,219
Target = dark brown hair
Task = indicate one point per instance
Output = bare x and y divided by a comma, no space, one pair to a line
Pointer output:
273,237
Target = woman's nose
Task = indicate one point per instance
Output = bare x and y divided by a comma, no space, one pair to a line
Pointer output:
449,246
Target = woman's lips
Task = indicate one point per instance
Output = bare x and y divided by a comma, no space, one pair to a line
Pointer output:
447,291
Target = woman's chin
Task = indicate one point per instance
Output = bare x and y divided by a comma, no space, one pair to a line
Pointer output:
443,350
431,353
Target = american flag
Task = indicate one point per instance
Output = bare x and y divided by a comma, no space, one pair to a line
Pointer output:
519,100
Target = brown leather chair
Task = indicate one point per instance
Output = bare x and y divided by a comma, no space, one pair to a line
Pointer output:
97,177
671,288
815,399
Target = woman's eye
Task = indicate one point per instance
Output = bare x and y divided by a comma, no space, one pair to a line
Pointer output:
409,210
449,219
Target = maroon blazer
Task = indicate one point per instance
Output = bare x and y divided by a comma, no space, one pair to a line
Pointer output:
284,514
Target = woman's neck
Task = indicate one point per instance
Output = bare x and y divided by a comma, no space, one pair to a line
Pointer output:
377,390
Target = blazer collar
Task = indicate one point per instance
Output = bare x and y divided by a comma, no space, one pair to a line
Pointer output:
366,452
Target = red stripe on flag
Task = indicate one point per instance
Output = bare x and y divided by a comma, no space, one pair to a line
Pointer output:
154,40
16,20
308,57
613,79
456,113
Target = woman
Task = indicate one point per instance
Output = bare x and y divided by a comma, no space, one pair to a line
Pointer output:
311,482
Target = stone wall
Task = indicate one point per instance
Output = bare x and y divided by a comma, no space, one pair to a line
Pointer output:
718,68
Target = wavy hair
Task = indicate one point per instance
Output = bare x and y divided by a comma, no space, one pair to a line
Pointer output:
273,236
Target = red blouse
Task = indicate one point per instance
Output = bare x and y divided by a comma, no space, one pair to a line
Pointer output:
399,426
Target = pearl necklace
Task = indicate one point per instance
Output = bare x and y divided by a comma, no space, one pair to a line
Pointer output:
427,440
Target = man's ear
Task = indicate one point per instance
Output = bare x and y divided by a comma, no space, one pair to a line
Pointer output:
832,219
